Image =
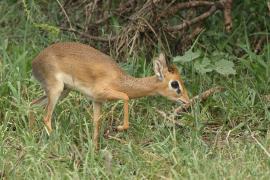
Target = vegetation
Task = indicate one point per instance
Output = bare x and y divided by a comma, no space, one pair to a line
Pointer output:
225,137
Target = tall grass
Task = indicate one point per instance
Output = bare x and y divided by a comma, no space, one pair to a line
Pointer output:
217,139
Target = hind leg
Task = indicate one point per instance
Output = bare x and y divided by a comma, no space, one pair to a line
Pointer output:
42,101
53,93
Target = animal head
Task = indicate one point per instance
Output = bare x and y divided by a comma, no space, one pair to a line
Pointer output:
171,84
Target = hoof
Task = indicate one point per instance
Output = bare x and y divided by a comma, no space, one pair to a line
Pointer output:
121,128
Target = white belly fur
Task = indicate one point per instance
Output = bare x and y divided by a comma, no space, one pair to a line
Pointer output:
74,83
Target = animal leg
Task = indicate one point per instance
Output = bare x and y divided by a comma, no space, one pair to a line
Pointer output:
112,95
42,101
96,109
126,123
53,94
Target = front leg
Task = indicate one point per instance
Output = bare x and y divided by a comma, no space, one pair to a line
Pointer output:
126,124
110,94
96,121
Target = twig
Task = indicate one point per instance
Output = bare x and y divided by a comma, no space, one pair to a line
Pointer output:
186,41
227,15
258,142
195,32
104,19
169,118
188,23
89,9
227,137
65,13
117,139
263,148
266,98
259,45
123,8
96,38
201,97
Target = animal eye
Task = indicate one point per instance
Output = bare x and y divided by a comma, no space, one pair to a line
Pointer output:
175,85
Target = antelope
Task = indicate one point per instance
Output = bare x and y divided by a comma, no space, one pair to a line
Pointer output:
63,67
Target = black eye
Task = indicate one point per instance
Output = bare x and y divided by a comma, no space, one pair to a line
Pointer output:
175,85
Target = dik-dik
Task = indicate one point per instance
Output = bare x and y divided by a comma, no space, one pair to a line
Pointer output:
62,67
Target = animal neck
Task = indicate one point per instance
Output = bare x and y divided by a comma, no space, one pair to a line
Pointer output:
139,87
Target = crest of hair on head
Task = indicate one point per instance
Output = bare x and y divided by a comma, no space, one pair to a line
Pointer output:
173,69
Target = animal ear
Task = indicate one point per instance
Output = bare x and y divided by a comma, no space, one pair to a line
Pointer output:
159,68
162,60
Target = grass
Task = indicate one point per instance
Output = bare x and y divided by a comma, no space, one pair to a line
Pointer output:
226,137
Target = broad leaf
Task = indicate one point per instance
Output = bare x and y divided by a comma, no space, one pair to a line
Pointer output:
203,66
187,57
224,67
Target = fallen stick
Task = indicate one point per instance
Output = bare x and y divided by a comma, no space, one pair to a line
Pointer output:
201,97
171,10
188,23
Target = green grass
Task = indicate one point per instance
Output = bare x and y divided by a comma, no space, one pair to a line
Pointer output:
214,141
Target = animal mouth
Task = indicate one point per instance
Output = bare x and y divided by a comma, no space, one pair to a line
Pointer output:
183,101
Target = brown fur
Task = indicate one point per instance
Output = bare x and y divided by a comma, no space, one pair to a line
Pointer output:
65,66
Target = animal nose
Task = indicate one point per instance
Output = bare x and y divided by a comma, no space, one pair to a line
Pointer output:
184,100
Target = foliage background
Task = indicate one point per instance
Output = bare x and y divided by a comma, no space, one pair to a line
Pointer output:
227,136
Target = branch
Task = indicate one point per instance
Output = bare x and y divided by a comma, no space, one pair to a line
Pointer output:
188,23
201,97
191,4
95,38
184,5
226,5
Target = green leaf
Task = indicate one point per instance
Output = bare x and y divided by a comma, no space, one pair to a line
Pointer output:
5,44
49,28
224,67
187,57
203,66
